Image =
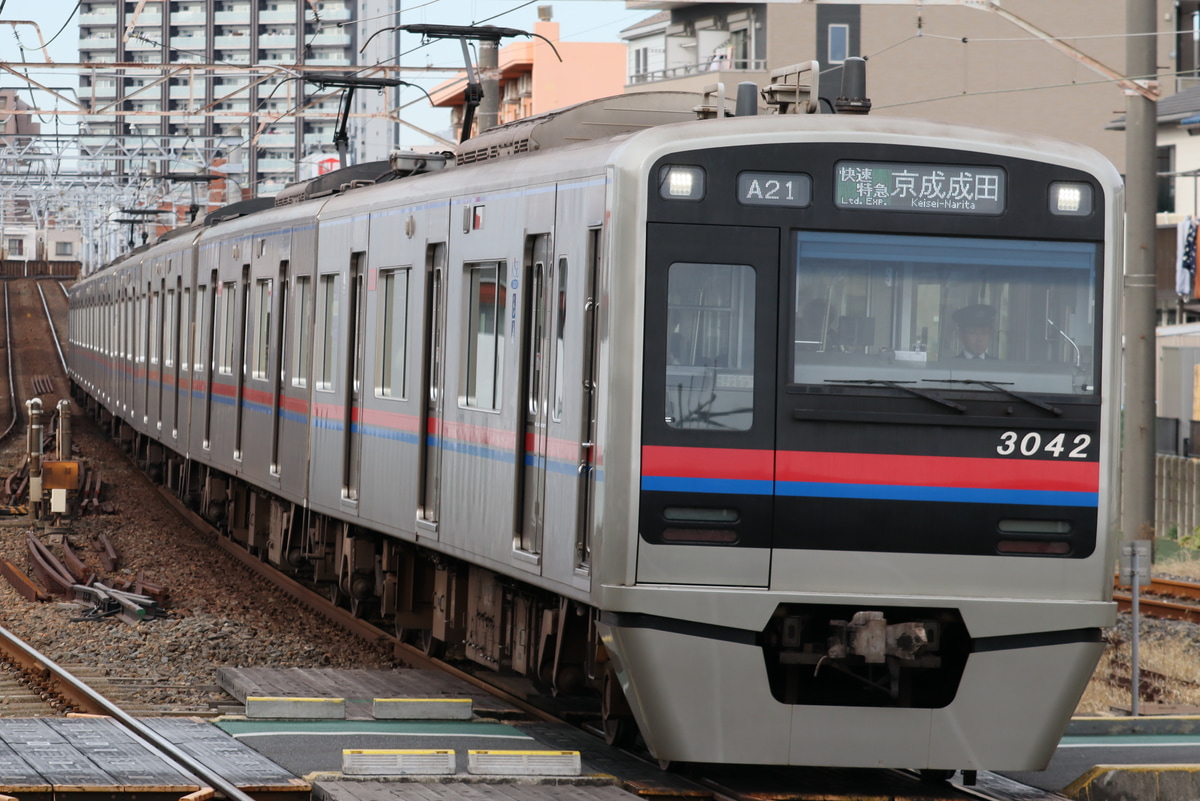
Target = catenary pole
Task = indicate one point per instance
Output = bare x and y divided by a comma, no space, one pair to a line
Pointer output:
1137,453
489,76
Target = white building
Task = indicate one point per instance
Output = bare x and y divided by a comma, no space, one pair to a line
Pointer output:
262,150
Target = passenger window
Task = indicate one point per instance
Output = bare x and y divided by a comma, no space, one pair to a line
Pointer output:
302,331
327,313
185,336
710,346
228,326
393,328
262,329
560,324
168,337
483,358
198,339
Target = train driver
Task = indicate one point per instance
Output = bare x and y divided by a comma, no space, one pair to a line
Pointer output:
976,329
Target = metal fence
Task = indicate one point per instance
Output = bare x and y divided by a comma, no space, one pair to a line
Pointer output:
1176,496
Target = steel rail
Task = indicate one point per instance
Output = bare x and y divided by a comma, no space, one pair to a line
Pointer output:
90,701
53,331
1153,599
12,384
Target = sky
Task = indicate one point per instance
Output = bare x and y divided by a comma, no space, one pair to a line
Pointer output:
579,21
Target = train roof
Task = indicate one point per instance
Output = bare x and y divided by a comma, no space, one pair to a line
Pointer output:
603,118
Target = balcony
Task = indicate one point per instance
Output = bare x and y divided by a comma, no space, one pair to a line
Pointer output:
192,94
135,44
238,17
277,165
336,14
97,43
104,16
192,43
276,140
714,69
188,18
285,16
277,41
328,38
232,42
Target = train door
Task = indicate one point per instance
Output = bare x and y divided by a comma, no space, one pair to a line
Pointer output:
536,366
175,351
239,366
277,363
433,385
208,362
708,421
352,405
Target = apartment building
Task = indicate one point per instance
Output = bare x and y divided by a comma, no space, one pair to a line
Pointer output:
249,119
957,64
541,74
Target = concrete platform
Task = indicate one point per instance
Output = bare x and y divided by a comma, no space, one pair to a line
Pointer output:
52,759
359,688
463,791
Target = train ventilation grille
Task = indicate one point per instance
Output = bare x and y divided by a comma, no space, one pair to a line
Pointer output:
492,152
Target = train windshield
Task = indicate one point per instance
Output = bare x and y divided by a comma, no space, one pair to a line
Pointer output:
930,312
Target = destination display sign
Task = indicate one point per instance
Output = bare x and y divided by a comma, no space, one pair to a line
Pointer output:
792,189
930,188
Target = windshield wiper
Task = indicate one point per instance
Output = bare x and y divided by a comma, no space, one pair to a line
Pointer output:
997,388
900,385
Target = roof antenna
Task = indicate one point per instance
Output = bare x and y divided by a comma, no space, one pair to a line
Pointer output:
853,99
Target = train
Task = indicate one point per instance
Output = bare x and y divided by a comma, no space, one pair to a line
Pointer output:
787,438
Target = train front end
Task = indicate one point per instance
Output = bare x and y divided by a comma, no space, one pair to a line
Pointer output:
868,445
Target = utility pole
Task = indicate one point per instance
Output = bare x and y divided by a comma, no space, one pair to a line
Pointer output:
1141,121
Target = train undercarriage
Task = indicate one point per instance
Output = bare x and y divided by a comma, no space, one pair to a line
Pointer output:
443,606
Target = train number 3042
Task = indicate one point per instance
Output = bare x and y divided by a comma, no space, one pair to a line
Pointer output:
1032,444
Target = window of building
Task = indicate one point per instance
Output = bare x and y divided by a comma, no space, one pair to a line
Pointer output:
63,249
839,43
1166,180
16,247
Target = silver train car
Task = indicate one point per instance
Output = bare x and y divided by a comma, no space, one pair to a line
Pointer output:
789,438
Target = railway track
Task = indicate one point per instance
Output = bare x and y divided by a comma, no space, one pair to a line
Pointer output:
1164,598
64,691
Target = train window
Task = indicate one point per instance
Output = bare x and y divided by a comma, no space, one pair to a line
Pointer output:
710,346
560,325
153,327
393,332
984,314
228,326
300,333
140,327
168,339
185,336
202,316
262,328
484,342
327,317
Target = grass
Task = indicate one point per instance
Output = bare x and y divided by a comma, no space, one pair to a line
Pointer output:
1170,666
